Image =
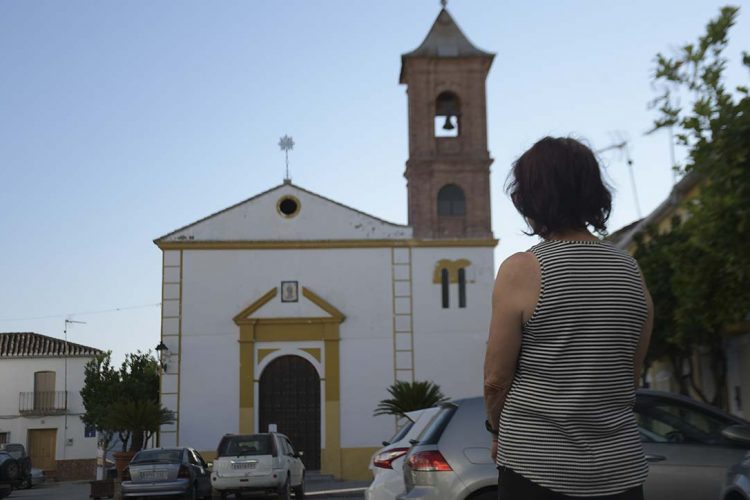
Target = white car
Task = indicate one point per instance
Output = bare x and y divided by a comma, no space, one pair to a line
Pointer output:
264,463
386,465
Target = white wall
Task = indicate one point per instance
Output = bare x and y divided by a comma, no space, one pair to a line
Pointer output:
17,375
258,219
449,344
218,284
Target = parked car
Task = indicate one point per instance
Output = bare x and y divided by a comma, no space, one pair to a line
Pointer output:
264,463
15,466
737,486
691,448
167,471
386,464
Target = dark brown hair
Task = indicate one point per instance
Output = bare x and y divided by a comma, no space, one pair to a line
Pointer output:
557,186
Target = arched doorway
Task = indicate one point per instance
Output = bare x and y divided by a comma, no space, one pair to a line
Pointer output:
289,396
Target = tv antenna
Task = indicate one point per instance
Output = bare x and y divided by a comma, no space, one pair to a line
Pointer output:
621,144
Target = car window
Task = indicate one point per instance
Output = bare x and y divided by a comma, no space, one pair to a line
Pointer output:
431,434
192,458
257,444
198,457
289,447
401,432
158,456
678,422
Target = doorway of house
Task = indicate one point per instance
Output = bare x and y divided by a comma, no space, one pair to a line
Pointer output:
289,396
41,448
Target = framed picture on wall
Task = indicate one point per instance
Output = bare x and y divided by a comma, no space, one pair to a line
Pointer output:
289,291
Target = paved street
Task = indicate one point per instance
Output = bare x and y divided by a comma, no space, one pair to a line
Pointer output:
318,487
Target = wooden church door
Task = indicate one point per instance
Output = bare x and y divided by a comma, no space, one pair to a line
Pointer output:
289,396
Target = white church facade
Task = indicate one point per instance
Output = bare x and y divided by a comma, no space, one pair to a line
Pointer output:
289,308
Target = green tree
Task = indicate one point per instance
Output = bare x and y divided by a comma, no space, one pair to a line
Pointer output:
712,268
410,396
100,391
124,400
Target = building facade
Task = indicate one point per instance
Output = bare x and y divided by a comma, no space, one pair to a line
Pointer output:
41,406
293,310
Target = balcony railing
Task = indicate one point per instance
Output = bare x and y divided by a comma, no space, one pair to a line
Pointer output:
43,403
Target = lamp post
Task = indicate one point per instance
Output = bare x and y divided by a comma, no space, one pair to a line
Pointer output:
163,352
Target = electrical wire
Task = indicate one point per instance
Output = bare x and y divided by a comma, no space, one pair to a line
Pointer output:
85,313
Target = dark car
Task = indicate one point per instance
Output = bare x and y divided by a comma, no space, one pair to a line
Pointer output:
15,466
167,471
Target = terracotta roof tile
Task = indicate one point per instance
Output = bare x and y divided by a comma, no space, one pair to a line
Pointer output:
35,345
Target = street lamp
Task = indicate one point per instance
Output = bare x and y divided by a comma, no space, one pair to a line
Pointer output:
163,352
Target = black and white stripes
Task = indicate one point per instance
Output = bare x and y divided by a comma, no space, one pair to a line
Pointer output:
568,422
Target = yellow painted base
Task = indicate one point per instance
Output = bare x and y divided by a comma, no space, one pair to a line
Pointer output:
352,462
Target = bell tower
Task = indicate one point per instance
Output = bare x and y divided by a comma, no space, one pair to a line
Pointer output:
448,170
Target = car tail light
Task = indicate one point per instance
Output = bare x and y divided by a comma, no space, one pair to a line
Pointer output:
385,459
184,472
126,474
429,461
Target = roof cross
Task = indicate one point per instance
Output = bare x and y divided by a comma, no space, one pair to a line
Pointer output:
286,144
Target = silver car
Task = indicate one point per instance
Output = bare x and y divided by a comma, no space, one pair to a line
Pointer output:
167,471
691,448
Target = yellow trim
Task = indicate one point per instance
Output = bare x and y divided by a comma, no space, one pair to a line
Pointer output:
313,351
288,197
263,300
278,245
295,330
262,353
452,266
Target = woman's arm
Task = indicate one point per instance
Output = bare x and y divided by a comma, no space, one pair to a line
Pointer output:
645,338
513,299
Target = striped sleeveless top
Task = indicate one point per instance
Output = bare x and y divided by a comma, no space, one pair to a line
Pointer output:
568,421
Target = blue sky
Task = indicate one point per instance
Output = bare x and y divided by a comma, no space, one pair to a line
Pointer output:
122,121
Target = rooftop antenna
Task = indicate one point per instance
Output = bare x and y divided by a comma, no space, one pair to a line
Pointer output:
620,143
286,144
66,353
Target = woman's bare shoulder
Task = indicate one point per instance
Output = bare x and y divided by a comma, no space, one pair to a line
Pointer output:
518,266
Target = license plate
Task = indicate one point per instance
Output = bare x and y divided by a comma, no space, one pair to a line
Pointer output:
243,465
153,476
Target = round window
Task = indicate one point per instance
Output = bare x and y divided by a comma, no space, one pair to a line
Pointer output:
288,206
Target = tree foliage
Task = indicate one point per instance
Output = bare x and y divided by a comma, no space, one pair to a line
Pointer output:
124,400
410,396
705,264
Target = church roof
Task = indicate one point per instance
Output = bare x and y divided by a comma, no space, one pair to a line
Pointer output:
35,345
446,39
258,219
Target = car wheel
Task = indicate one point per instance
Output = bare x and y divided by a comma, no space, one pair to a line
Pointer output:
485,495
299,491
9,470
26,483
192,494
285,492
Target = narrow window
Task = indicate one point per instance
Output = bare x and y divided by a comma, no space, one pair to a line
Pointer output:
451,201
445,283
462,287
447,114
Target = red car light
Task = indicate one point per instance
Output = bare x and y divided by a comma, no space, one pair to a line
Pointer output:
429,461
184,472
385,459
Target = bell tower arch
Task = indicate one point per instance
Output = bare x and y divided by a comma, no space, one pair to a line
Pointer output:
449,163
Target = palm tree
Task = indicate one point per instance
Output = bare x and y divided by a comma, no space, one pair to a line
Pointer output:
140,418
410,396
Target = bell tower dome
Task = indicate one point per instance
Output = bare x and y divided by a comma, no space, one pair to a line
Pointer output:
448,170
